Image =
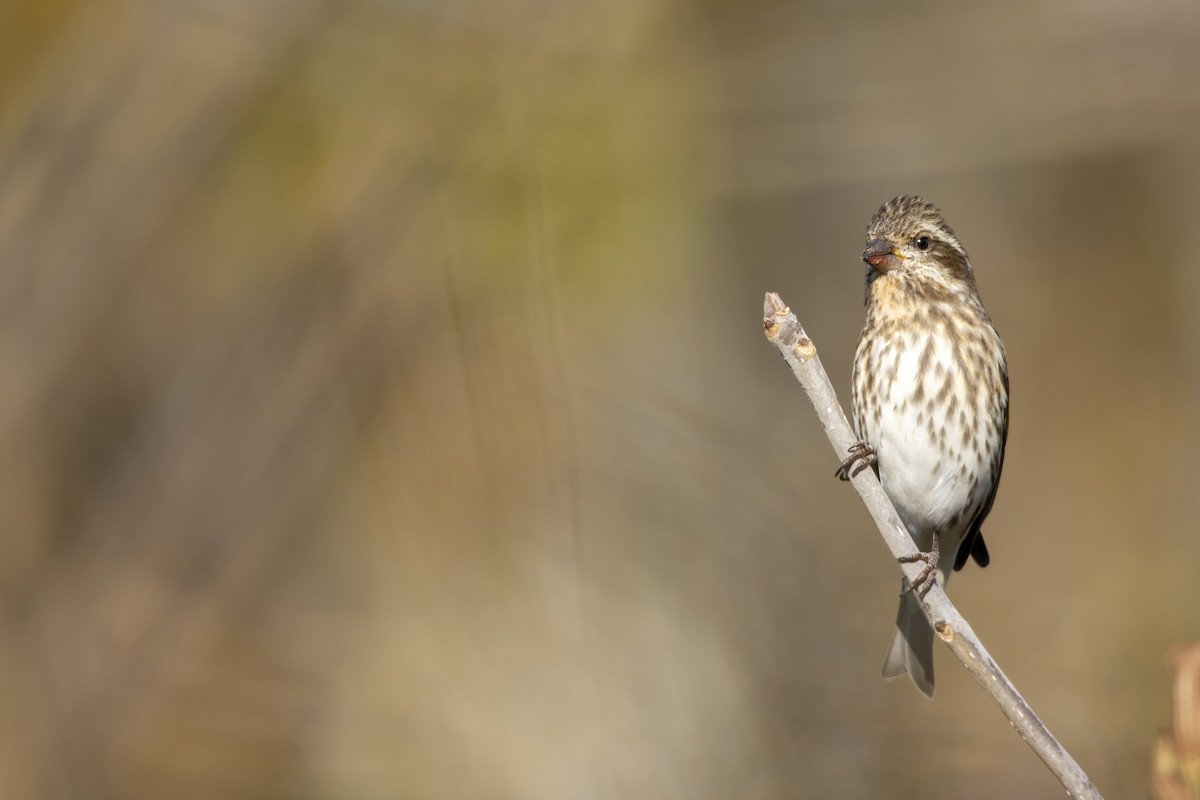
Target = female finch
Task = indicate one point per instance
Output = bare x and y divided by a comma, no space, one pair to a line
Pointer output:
930,402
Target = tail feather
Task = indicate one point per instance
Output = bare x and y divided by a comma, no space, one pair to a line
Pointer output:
911,652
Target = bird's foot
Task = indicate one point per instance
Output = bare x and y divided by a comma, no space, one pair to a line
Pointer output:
928,577
861,456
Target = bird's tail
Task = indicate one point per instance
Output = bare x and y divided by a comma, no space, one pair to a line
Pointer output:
911,652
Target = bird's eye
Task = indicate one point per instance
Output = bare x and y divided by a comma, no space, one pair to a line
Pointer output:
922,242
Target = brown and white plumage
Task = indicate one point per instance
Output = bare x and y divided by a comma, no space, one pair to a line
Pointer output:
930,397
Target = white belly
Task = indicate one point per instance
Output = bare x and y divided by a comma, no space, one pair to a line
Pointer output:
918,441
928,489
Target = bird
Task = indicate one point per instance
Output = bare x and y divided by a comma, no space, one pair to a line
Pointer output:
930,406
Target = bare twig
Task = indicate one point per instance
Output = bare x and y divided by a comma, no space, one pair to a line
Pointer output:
784,330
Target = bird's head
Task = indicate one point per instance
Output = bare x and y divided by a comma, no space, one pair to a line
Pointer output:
908,238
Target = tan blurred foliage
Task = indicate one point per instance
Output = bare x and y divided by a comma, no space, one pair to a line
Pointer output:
385,410
1175,762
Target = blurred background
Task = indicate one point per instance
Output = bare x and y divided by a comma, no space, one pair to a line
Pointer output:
386,410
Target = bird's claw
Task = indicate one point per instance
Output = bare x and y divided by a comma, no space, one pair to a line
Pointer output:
861,456
928,577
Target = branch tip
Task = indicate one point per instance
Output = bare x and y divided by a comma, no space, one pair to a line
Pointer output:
773,306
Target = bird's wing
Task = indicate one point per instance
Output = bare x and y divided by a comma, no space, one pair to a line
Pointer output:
972,543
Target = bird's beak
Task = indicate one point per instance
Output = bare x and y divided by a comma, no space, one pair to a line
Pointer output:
880,254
